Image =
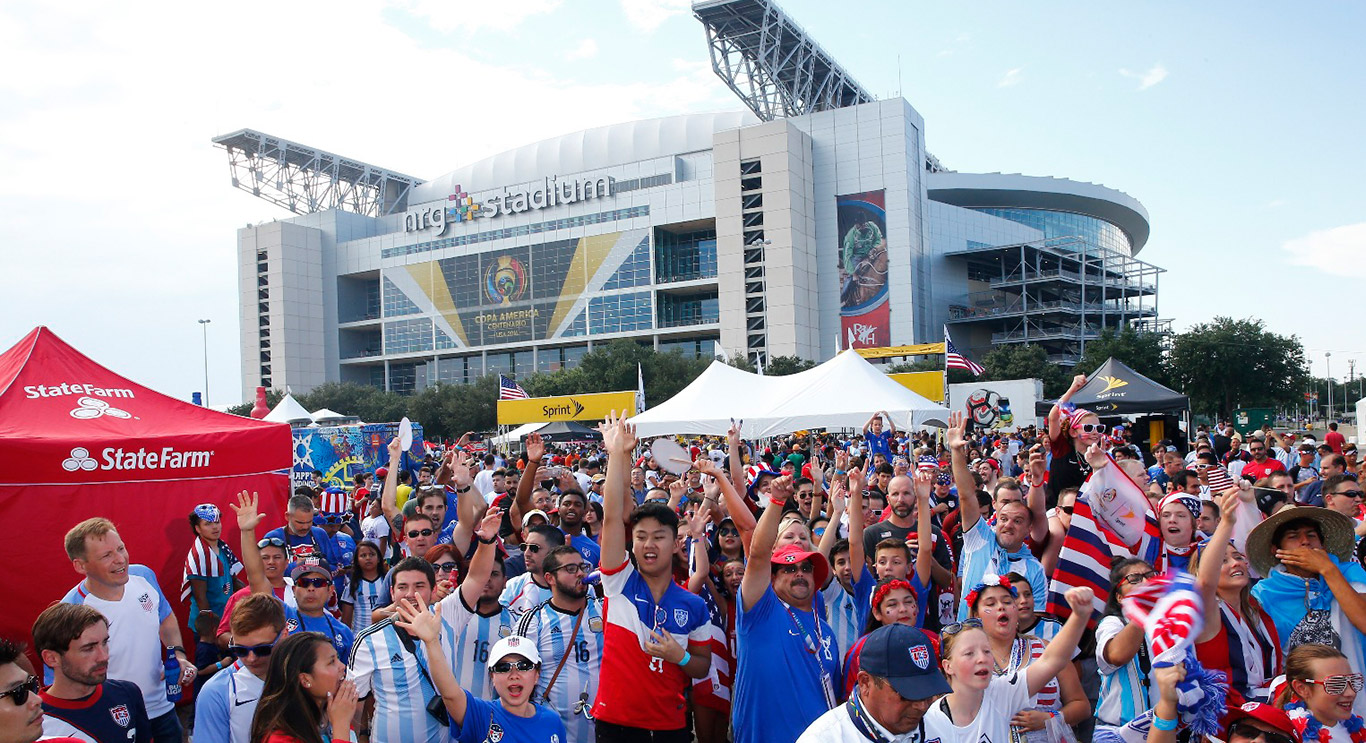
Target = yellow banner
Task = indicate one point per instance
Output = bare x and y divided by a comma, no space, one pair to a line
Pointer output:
929,385
593,406
887,352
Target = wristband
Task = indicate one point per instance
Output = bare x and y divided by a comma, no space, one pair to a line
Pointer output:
1162,723
485,541
778,503
686,657
462,491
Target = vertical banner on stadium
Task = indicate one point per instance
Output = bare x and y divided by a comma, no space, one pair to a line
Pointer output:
865,315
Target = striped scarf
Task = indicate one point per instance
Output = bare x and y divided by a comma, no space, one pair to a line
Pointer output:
1253,656
202,560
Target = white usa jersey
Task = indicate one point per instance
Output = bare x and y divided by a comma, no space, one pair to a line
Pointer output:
576,687
471,656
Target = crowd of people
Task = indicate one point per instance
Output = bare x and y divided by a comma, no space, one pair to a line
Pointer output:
884,585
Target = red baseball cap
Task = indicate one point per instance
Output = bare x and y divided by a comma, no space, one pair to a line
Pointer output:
1264,713
791,554
381,472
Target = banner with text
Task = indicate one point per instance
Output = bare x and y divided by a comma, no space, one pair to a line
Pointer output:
590,407
865,316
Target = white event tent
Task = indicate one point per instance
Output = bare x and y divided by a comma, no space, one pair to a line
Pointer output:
288,410
844,392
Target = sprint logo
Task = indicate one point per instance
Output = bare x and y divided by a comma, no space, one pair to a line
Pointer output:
1112,383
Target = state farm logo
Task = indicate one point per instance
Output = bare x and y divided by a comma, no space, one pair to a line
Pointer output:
89,407
117,458
79,460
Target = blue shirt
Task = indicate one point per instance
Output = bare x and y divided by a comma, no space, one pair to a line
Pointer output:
333,629
316,537
487,721
878,443
113,712
587,547
784,654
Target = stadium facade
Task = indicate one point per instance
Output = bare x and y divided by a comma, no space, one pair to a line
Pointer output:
797,235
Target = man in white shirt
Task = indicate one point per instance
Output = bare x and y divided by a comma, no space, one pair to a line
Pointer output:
898,678
141,624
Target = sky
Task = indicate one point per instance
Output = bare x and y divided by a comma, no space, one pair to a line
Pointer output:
1237,125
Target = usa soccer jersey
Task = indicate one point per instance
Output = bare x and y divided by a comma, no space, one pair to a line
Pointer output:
488,721
114,712
330,627
576,687
637,689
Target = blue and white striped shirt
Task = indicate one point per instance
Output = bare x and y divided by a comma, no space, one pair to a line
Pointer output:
551,629
1123,690
369,595
471,656
848,613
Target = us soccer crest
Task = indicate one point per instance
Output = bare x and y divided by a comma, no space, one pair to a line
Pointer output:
681,617
920,656
145,601
495,733
121,715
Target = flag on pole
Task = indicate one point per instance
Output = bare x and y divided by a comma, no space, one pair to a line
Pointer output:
759,362
955,360
718,352
640,390
510,390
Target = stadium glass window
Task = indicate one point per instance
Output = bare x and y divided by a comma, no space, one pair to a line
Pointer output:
685,257
408,336
396,303
620,313
634,271
403,378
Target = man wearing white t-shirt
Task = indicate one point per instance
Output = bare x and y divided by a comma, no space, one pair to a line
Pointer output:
141,624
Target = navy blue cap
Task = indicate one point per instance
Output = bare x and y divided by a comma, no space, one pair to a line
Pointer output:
904,656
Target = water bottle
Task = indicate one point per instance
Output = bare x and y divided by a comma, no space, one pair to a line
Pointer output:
174,692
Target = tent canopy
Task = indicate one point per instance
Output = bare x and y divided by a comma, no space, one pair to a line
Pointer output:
562,431
516,434
288,410
844,392
1115,389
79,441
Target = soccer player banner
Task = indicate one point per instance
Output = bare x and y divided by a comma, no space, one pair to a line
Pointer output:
865,316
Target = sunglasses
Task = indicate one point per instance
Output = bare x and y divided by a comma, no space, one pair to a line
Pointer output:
509,666
956,627
261,651
804,567
727,531
312,582
20,693
445,567
415,533
1337,684
1242,729
532,548
1356,494
1091,427
337,519
574,568
270,542
1134,579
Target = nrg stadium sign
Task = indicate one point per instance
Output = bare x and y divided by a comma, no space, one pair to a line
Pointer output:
460,207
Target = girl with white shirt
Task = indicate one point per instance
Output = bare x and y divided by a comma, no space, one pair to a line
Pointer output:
982,704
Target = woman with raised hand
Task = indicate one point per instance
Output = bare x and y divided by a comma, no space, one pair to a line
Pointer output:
1243,644
304,688
514,665
984,706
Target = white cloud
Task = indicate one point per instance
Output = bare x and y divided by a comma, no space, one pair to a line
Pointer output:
471,15
587,49
1275,203
1148,78
1335,251
1012,77
647,15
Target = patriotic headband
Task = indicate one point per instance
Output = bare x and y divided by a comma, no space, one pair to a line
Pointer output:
927,462
1074,415
991,581
888,587
944,478
1191,503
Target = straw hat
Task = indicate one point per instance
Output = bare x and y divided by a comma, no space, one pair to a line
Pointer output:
1339,538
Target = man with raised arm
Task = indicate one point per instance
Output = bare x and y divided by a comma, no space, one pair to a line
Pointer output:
645,668
786,649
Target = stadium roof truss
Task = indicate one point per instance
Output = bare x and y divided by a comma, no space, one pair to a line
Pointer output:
771,63
305,179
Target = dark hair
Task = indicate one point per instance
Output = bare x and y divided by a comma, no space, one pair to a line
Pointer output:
1335,481
552,561
9,651
571,491
427,492
61,624
885,469
841,545
285,706
256,611
873,622
552,534
412,563
1299,523
358,575
657,511
418,516
899,545
1118,568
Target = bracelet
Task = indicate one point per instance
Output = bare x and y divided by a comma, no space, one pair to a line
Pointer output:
778,503
462,491
491,540
1162,723
686,657
176,649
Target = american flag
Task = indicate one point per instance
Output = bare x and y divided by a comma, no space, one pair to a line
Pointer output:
201,560
510,390
955,360
1170,612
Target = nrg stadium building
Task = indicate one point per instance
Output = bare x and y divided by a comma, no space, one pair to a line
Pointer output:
815,220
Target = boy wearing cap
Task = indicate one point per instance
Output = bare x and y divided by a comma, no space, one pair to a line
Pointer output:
210,566
898,678
786,649
313,589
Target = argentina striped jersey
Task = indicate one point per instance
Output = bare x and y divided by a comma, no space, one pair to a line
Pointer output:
576,687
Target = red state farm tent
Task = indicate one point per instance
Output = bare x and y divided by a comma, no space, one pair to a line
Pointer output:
77,441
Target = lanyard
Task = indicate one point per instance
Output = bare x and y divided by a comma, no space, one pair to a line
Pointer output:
826,681
801,630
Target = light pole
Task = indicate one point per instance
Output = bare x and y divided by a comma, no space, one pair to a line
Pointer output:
204,324
1328,365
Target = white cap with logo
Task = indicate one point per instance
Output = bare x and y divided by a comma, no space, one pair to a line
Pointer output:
514,645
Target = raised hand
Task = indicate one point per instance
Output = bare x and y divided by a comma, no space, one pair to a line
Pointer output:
733,434
1038,468
780,490
924,484
707,467
535,447
1078,382
857,483
1166,678
1228,506
1082,601
697,525
421,621
488,527
956,436
839,498
1096,456
395,450
618,436
341,707
841,460
460,469
248,518
677,489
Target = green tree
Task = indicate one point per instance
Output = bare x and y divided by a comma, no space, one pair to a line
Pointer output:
781,366
1228,363
1142,351
1025,361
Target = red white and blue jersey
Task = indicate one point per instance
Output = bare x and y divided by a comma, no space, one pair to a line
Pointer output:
637,689
114,712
